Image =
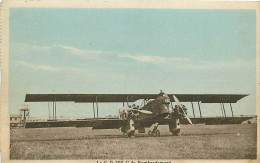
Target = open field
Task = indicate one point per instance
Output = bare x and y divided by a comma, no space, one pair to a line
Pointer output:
195,142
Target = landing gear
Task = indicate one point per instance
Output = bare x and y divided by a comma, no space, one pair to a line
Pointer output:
131,134
129,128
155,133
150,133
175,127
176,132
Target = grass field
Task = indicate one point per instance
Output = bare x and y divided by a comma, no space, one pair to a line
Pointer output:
195,142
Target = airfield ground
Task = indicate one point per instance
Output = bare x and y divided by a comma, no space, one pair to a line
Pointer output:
195,142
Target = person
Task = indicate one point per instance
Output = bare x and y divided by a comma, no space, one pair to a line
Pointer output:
134,107
155,127
176,109
161,93
130,115
184,109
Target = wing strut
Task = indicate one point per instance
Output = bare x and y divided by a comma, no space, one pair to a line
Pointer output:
94,110
49,110
231,110
97,105
54,117
193,109
224,110
55,108
199,109
221,109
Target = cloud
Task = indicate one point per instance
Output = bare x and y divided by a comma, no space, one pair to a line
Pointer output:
80,52
25,48
36,47
154,58
144,58
238,63
206,65
178,59
175,62
38,67
51,68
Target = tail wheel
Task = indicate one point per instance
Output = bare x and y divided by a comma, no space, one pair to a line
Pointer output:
157,133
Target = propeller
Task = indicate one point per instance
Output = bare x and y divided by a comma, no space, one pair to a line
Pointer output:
141,111
179,104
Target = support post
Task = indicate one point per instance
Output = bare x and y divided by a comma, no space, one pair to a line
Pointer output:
193,109
94,110
199,109
231,110
127,101
123,104
224,110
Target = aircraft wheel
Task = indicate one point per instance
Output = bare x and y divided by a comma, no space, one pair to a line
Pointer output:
133,133
130,134
150,133
157,133
176,133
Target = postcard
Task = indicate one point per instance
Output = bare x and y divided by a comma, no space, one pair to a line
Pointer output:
129,81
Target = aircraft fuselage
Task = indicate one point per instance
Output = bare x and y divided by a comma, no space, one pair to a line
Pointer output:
159,107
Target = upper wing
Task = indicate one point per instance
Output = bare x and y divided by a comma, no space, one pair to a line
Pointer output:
208,98
204,98
88,97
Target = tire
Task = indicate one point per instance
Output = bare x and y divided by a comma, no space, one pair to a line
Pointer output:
133,133
129,134
157,133
176,133
150,133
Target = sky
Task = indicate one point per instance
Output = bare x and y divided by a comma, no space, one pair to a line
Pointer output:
134,51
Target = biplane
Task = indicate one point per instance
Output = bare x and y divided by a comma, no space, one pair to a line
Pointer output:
156,109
